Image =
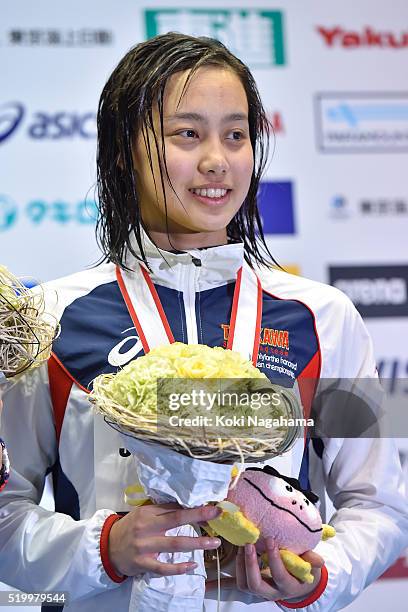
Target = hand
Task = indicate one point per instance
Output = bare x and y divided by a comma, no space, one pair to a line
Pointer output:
273,583
136,540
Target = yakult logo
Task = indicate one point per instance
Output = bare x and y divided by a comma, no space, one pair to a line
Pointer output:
367,37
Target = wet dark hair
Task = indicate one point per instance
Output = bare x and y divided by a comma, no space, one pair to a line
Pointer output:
126,110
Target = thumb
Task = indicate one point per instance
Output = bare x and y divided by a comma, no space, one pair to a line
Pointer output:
313,558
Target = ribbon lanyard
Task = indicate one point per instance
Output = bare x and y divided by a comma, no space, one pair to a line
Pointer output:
150,321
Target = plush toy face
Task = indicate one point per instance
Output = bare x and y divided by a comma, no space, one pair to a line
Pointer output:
278,509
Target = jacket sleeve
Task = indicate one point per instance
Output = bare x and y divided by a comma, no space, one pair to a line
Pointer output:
363,479
42,550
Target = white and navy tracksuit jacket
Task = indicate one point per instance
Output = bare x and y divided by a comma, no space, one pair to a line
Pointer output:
309,330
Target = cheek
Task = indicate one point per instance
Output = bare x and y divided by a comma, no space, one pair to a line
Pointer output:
180,165
244,165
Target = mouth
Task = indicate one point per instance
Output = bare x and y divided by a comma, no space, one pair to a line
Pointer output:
211,195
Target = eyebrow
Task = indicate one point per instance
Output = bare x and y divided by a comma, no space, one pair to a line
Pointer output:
202,119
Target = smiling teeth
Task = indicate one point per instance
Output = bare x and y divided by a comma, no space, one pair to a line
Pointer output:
210,193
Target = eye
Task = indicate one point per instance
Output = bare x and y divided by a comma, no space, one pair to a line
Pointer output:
188,133
279,487
236,135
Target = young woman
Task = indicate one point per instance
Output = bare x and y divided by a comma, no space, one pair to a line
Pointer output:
182,141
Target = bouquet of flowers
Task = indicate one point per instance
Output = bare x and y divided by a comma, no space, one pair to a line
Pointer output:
190,463
141,401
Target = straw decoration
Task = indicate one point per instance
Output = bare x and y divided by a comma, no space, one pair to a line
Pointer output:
26,332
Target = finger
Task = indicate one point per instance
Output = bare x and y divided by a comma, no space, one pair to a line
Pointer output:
166,569
285,582
313,558
253,573
257,584
226,583
176,544
240,570
186,516
166,507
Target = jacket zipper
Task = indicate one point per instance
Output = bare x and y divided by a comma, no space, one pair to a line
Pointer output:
189,297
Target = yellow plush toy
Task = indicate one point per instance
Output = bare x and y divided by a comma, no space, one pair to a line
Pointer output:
263,503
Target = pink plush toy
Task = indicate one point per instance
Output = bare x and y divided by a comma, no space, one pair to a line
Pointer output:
263,503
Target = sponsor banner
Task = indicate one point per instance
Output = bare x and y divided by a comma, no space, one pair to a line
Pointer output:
349,64
254,35
380,207
341,207
375,290
44,124
276,207
361,122
275,118
57,37
38,212
366,38
390,370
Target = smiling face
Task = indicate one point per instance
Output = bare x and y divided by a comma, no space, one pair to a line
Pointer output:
209,160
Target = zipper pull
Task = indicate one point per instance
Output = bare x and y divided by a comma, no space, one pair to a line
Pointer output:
196,261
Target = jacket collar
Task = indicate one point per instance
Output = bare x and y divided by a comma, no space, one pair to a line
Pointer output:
219,264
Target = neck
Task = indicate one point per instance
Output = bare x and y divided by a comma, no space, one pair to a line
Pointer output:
186,242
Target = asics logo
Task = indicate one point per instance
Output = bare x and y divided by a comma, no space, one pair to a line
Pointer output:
125,350
11,115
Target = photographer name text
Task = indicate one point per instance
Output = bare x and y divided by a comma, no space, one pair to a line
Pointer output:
242,421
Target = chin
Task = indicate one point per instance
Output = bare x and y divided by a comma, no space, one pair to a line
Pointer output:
213,225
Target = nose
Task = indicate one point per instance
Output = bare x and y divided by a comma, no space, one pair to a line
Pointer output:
213,160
